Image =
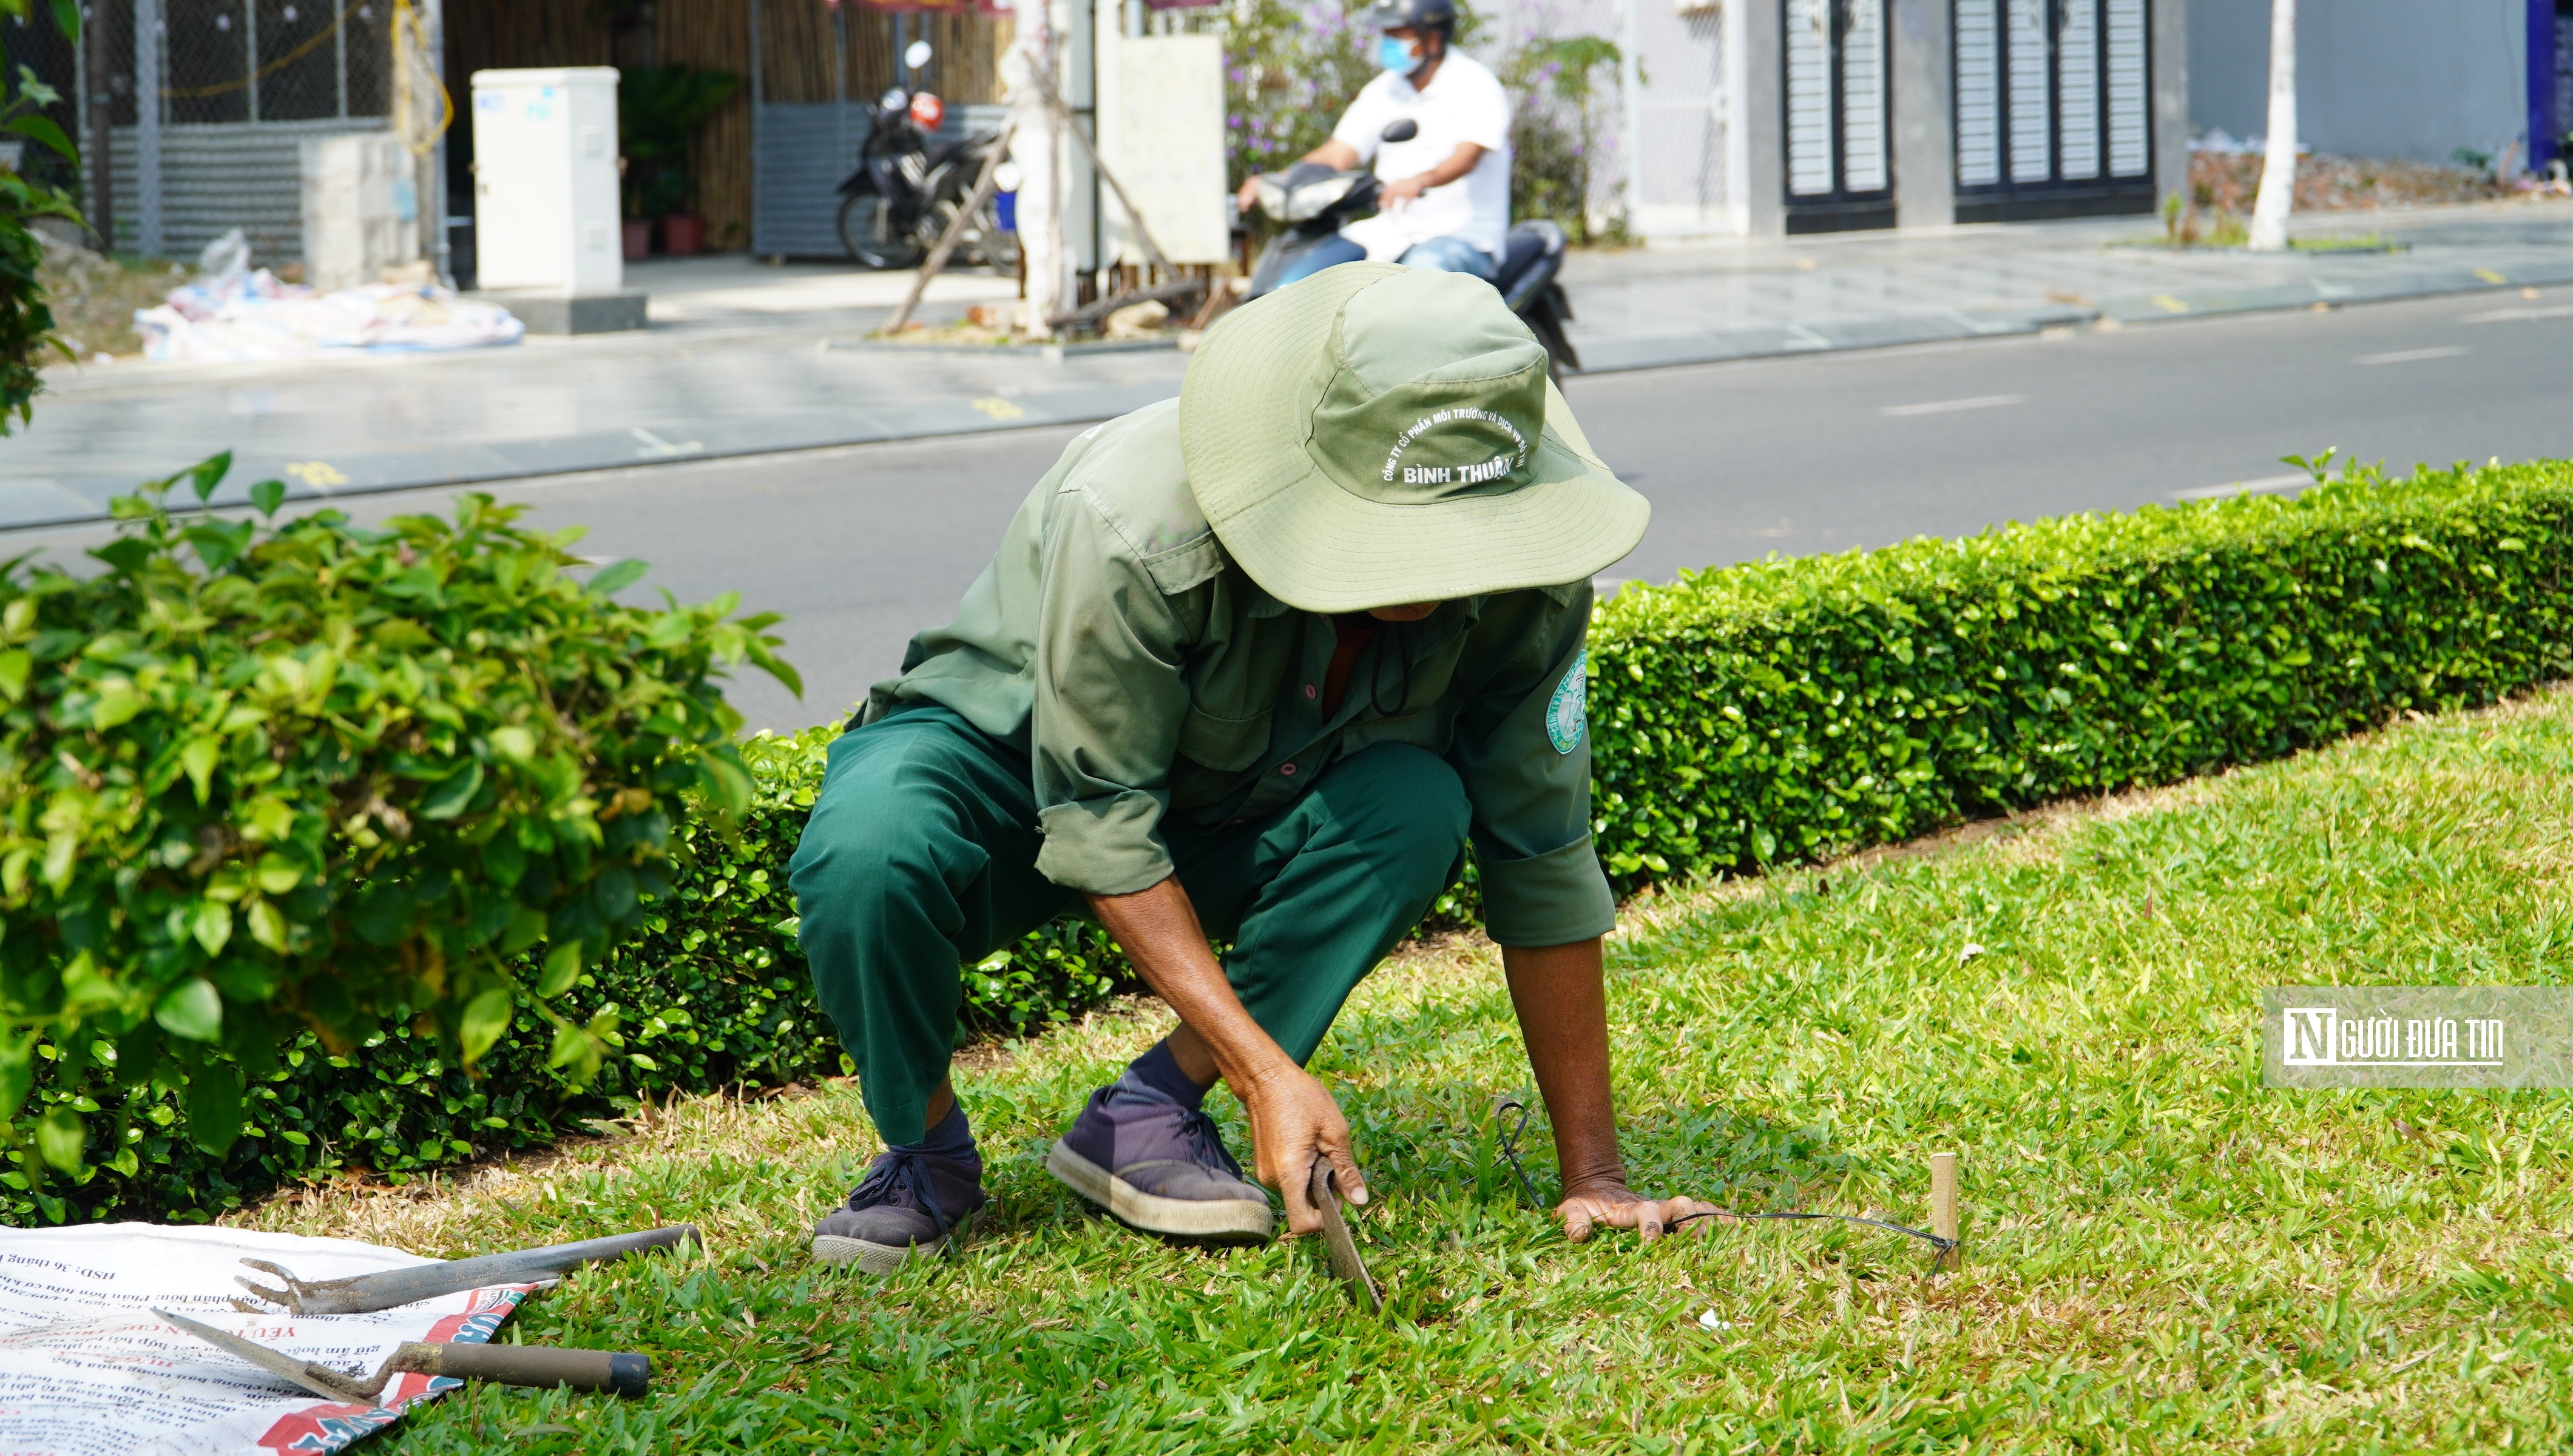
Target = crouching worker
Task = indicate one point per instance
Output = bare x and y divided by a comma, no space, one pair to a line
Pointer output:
1257,664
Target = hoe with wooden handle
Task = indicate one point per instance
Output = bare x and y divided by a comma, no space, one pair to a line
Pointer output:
541,1367
366,1294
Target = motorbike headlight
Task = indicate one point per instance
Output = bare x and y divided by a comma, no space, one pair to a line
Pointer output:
1309,201
1273,197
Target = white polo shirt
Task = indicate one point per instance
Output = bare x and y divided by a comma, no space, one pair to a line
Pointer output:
1463,102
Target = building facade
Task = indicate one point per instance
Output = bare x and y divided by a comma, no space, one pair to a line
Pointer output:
1771,116
2491,79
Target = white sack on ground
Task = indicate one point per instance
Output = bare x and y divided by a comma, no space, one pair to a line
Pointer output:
87,1369
239,318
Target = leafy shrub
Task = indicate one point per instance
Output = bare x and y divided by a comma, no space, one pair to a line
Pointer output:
26,322
712,993
319,778
1761,714
660,109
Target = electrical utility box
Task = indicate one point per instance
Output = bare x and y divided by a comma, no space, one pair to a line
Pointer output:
545,186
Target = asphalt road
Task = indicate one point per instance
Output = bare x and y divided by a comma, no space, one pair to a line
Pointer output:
860,546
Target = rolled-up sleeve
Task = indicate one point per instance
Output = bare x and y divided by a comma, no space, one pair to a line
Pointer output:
1523,749
1108,702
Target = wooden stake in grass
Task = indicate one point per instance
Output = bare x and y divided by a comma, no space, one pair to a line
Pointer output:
1943,1195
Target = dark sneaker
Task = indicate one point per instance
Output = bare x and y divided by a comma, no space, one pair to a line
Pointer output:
1161,1167
908,1203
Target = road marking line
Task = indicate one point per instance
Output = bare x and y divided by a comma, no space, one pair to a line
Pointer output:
318,475
2413,355
2490,276
1946,407
2296,481
656,447
999,409
2509,315
2170,304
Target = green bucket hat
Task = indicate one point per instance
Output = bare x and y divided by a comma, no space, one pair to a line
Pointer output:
1377,436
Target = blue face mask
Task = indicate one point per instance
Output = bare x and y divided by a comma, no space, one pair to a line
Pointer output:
1392,54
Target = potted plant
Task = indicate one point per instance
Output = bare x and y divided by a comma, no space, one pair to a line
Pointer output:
659,112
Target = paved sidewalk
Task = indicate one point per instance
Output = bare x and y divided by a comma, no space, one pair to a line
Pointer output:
1738,300
743,358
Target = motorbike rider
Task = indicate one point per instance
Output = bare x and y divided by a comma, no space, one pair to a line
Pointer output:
1446,198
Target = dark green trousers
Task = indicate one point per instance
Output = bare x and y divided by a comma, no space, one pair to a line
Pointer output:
921,856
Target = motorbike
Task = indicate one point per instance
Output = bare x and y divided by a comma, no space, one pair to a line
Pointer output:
1315,201
910,185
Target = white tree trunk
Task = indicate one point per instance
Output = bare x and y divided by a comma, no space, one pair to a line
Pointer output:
1037,148
2279,168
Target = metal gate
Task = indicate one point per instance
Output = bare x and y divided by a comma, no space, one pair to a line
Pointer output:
2054,108
1839,133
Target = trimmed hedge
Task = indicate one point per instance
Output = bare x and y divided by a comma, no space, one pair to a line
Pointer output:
1792,710
1761,714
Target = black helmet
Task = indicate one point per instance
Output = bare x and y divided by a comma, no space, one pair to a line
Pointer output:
1438,15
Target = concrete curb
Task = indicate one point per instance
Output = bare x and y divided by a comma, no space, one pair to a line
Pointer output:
72,501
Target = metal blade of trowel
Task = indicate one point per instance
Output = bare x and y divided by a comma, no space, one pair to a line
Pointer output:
1338,1247
321,1380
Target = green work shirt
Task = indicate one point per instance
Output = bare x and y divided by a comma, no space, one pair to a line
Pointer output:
1145,674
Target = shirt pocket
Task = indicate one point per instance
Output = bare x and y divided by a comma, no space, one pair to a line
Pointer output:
1224,743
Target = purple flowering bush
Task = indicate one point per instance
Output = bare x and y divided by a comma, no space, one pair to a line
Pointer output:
1291,68
1559,87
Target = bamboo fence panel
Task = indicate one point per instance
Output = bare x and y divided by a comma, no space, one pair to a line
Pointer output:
714,35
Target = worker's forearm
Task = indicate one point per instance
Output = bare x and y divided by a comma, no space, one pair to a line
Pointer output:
1563,1017
1160,933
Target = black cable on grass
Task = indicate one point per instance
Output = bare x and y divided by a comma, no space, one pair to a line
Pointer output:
1509,1139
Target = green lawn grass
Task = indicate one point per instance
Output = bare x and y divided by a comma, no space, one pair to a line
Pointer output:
2161,1255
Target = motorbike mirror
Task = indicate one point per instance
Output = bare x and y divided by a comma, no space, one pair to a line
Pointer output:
1401,131
917,55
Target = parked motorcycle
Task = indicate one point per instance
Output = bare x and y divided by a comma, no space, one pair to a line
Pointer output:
909,185
1315,201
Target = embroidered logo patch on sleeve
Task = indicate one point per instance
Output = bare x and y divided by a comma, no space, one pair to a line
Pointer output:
1564,716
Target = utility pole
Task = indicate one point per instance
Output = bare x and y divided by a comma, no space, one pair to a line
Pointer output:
98,124
432,197
148,239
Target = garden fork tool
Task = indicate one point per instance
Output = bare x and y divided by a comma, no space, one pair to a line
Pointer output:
541,1367
366,1294
1338,1247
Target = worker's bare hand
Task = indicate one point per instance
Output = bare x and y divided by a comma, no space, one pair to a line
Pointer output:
1614,1205
1402,191
1248,197
1292,1122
